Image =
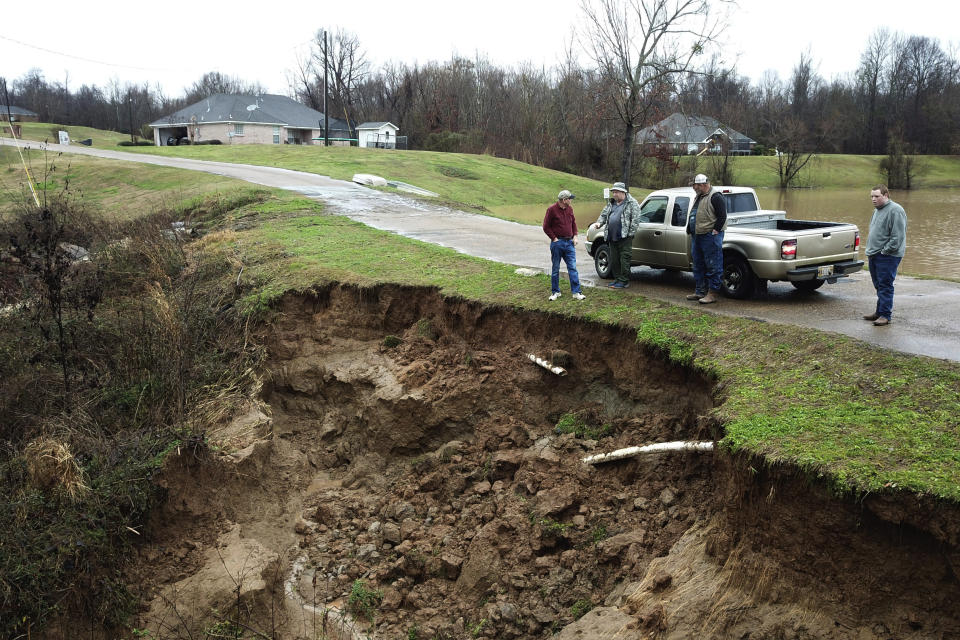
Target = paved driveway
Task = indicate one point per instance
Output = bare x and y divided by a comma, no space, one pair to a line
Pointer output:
926,315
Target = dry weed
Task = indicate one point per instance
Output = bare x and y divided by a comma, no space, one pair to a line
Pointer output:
53,468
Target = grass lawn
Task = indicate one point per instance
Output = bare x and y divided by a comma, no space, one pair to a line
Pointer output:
110,185
843,171
482,182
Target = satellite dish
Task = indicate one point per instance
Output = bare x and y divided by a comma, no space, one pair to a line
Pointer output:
251,107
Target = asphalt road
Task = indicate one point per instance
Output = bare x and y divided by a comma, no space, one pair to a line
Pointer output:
926,313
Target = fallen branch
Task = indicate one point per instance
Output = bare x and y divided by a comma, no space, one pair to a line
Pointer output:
560,371
659,447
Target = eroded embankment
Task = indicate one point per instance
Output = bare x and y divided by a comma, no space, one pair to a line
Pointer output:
407,453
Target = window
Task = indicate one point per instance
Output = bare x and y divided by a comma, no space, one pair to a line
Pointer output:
238,129
653,210
276,135
680,207
740,202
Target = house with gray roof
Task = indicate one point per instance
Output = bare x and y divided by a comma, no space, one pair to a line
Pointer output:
694,135
247,119
17,114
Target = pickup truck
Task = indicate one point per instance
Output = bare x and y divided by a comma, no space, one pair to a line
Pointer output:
758,246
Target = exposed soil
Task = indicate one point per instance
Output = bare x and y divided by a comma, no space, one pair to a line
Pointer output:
406,441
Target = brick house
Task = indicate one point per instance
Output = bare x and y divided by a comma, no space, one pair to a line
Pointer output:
685,135
247,119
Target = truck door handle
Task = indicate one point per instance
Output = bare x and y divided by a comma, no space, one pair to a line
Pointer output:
657,233
827,234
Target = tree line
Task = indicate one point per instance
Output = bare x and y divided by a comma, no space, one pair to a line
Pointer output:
903,93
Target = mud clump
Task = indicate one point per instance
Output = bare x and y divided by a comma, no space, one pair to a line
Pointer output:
411,474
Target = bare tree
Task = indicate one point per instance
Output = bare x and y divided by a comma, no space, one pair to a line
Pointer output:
873,62
214,82
638,45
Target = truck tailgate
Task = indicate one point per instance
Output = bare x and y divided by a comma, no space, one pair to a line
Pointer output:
826,244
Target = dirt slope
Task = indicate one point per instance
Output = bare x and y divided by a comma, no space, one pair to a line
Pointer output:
404,450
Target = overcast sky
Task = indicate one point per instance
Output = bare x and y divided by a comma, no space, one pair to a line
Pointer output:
173,43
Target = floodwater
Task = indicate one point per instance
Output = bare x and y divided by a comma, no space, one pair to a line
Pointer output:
933,219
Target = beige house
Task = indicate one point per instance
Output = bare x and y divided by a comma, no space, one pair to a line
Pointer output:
246,119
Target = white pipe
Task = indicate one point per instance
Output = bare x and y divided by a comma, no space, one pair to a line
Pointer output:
560,371
619,454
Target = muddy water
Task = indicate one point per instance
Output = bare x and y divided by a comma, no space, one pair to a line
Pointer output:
933,231
933,234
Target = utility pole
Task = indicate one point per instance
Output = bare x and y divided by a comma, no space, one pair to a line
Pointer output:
133,138
326,119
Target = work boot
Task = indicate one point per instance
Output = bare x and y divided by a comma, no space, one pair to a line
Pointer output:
710,298
881,322
871,317
694,296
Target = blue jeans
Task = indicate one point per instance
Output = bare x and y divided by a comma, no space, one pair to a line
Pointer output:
563,249
883,269
707,251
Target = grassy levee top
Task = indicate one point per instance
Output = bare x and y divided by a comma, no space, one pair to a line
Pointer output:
866,419
481,182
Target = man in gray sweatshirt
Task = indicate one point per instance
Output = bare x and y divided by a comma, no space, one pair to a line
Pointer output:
885,247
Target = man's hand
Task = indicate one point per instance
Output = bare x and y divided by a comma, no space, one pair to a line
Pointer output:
574,240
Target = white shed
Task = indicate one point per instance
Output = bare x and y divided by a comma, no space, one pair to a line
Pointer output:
381,135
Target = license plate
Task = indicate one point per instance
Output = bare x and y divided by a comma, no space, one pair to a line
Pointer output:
823,272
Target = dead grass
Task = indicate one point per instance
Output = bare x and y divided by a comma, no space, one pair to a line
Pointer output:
53,469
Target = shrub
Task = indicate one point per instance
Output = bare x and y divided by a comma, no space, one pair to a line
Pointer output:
580,608
214,141
391,341
155,351
447,141
577,425
363,601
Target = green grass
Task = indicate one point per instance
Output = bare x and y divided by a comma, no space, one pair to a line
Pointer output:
129,189
482,183
843,171
44,131
864,418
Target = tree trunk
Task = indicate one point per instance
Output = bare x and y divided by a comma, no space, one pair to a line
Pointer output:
626,163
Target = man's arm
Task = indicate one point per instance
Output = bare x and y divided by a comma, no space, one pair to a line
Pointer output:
897,232
720,209
602,220
548,224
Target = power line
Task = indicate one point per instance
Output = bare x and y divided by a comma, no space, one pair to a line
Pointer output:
68,55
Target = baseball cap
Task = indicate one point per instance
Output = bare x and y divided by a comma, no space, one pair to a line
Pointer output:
701,179
565,194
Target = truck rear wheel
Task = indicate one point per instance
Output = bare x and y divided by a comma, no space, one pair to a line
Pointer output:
807,285
738,281
601,261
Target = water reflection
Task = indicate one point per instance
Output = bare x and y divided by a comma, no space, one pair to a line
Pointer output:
933,215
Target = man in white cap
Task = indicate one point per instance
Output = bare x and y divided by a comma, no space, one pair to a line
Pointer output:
622,217
561,227
708,221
